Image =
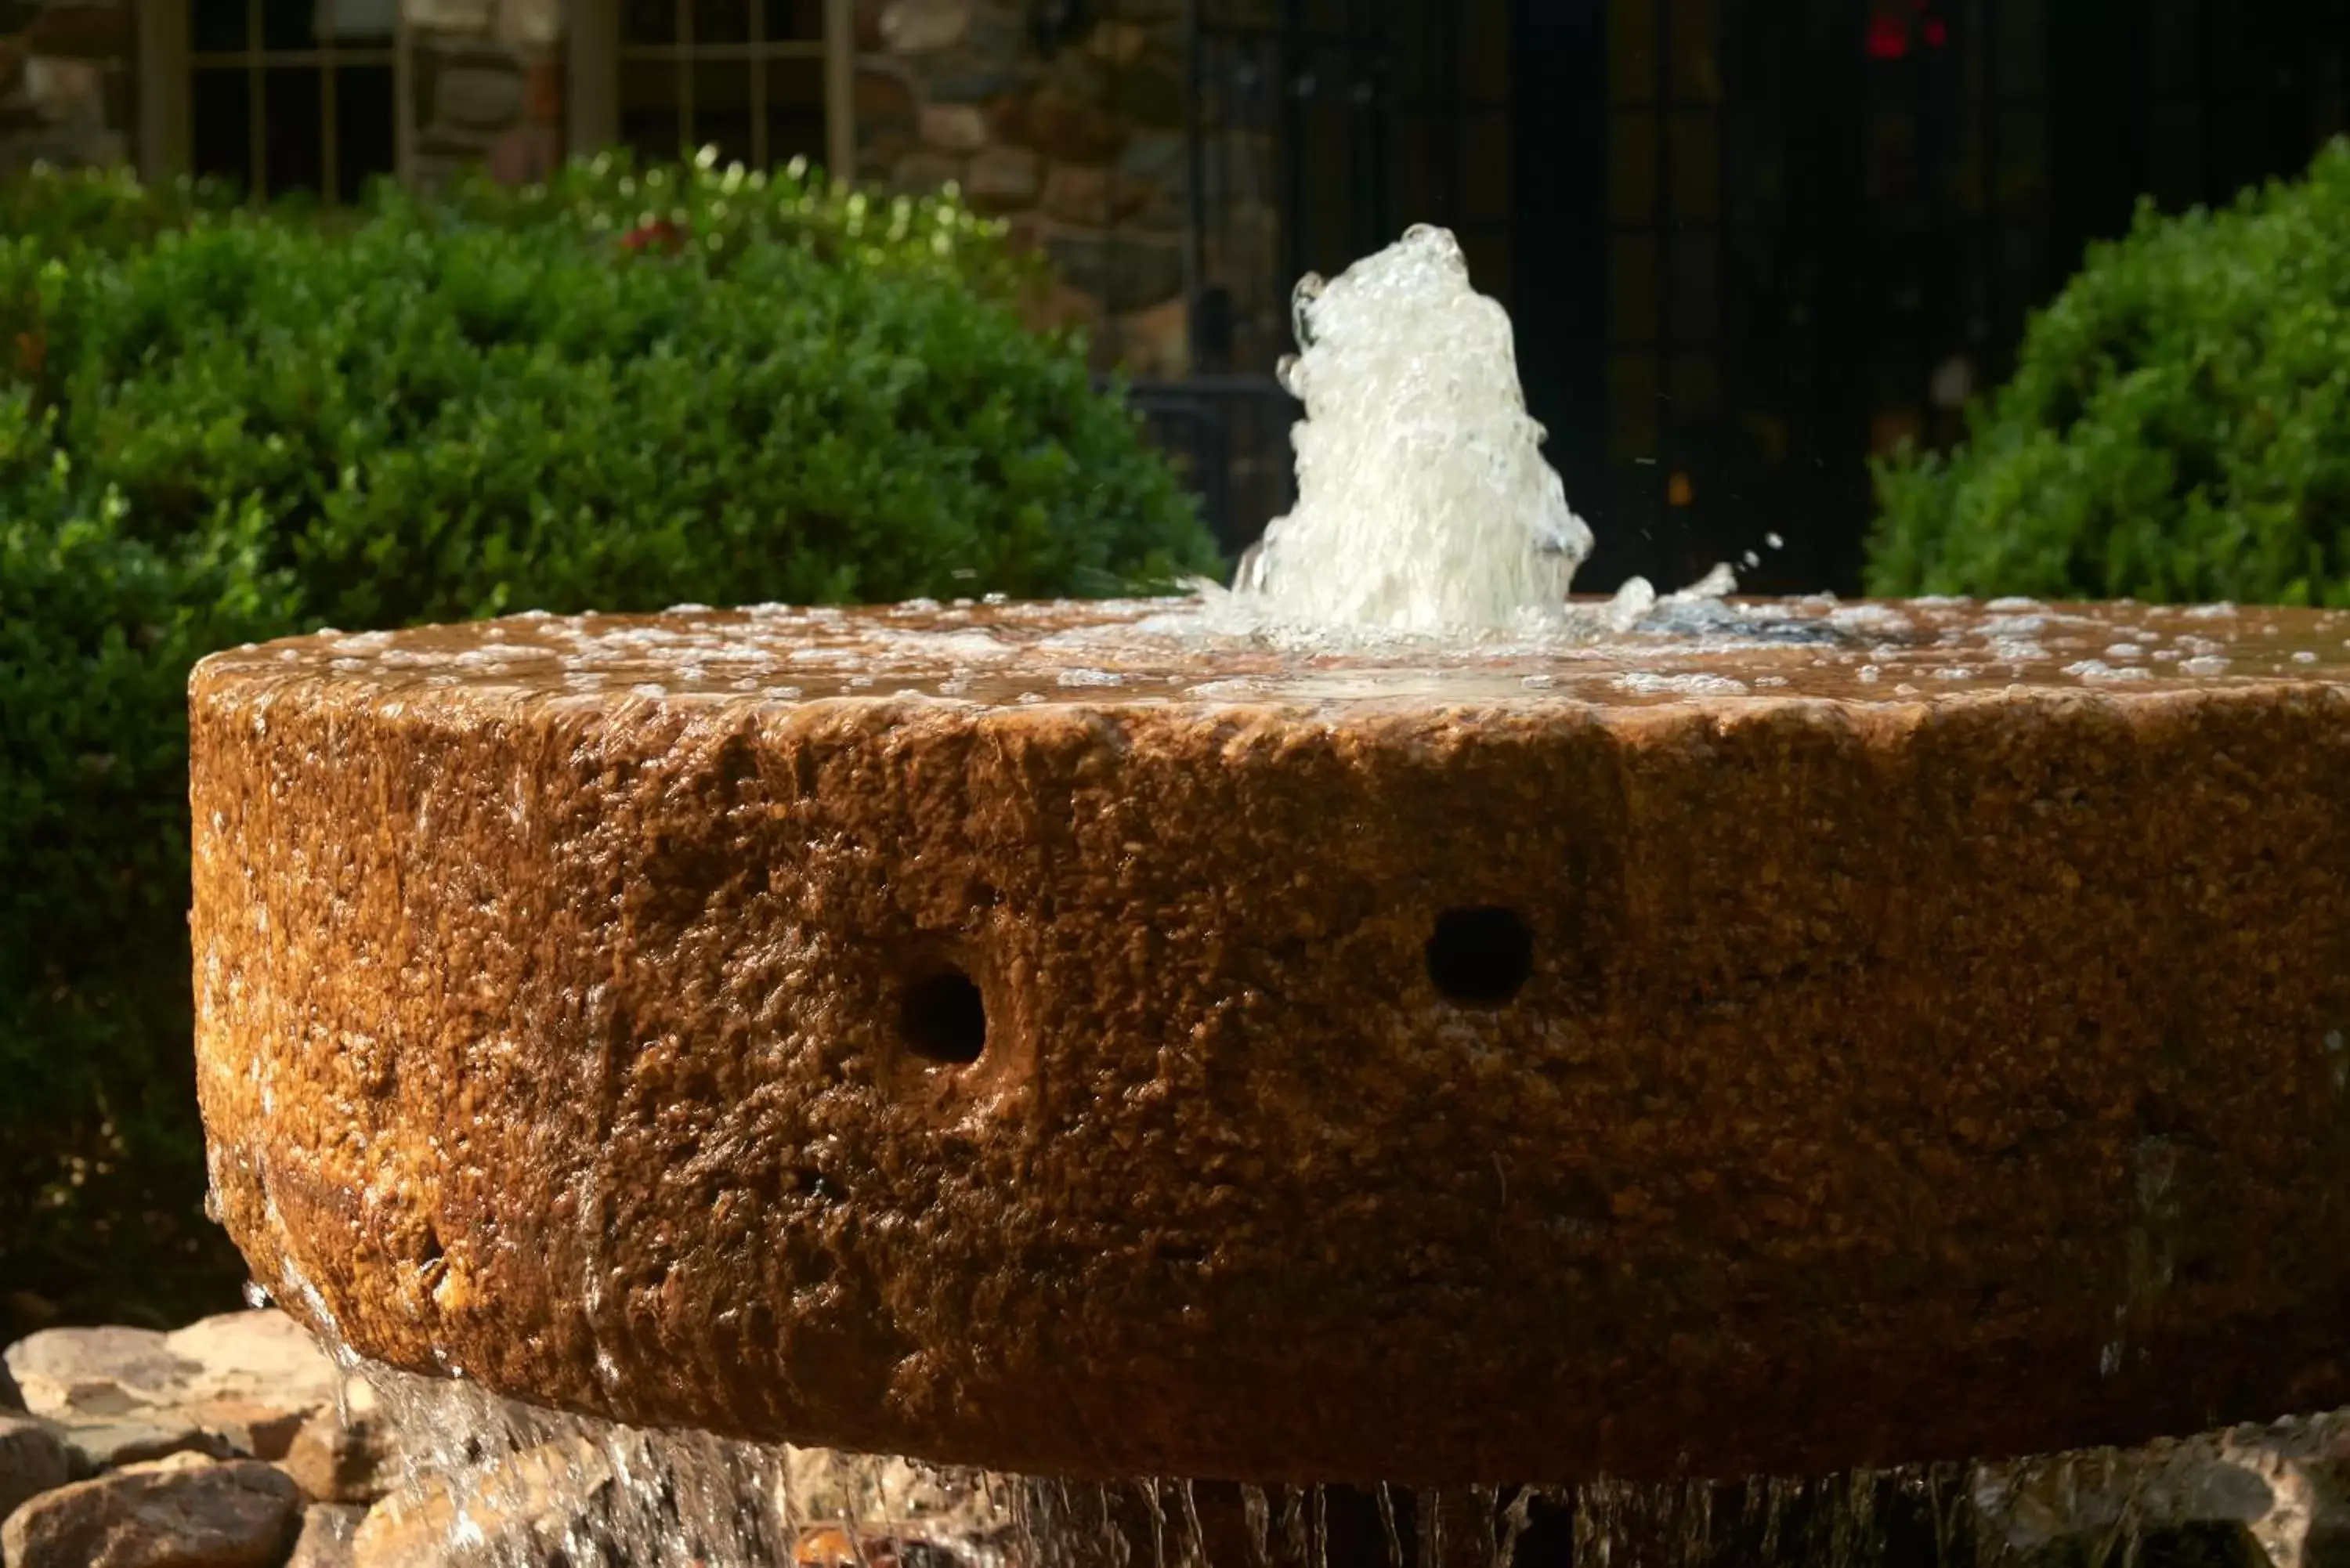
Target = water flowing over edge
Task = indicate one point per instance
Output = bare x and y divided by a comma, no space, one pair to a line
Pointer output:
491,1481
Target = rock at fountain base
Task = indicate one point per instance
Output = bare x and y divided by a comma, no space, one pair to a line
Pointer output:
183,1512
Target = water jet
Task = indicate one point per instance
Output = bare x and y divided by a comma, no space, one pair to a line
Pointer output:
1459,1036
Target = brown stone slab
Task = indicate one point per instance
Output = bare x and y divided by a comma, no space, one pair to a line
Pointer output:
1874,1034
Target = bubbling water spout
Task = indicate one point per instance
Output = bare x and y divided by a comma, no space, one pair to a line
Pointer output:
1424,503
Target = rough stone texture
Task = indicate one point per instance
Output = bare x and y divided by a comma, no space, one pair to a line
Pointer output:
487,87
63,83
106,1370
520,1511
105,1444
1080,145
238,1385
340,1461
33,1459
326,1541
254,1430
1906,1065
256,1358
241,1514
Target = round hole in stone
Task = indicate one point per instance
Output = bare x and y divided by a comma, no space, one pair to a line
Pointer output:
944,1018
1480,957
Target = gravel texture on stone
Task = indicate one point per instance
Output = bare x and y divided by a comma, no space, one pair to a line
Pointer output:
328,1529
1448,1084
33,1459
239,1513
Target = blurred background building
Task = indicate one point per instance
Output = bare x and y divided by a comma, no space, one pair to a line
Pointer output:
1747,242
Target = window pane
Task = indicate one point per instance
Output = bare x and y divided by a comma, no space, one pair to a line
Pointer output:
795,20
358,23
1696,293
1696,389
1632,168
1635,308
216,27
1487,252
1415,170
1694,72
2176,154
795,110
1486,182
648,22
2177,45
2021,156
1697,167
649,110
1484,54
293,128
1632,390
1632,50
286,24
721,21
220,105
2020,65
363,128
722,108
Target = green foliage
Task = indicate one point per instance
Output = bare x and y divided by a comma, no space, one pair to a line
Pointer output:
219,425
107,211
723,211
2177,427
98,629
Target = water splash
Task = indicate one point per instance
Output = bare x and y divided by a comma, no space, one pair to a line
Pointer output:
490,1484
1424,503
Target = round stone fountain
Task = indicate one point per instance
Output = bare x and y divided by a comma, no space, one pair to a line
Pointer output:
1697,1038
1010,1034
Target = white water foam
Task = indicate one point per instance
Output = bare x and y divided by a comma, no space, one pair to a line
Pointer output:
1424,503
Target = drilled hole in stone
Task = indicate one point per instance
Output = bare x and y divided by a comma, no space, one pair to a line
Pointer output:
1480,957
945,1018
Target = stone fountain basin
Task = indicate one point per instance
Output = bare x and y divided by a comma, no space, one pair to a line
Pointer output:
1001,1034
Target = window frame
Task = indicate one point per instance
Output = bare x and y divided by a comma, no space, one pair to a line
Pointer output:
592,80
165,63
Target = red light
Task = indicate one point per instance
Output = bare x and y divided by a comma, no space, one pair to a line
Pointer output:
1889,38
1937,33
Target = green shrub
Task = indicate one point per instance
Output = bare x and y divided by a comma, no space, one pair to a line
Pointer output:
104,210
2177,427
241,424
721,212
98,629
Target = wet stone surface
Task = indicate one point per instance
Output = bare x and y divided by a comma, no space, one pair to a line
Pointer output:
1032,1036
1154,651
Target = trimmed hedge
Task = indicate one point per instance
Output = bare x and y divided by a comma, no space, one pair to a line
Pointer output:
620,392
2177,427
98,629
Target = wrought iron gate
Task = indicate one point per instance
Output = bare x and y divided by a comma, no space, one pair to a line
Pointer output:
1291,117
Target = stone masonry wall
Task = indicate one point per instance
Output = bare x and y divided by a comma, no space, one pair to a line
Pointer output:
488,84
1071,130
65,82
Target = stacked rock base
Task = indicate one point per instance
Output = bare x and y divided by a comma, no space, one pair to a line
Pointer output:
236,1442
